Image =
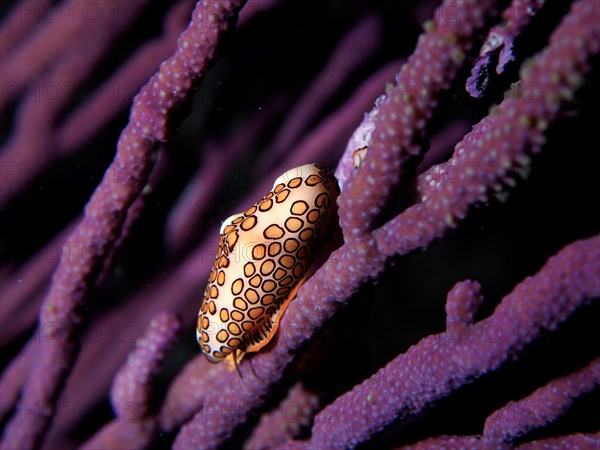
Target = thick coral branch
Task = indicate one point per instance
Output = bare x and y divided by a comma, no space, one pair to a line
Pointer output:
438,364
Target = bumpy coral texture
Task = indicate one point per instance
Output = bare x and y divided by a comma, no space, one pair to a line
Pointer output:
97,320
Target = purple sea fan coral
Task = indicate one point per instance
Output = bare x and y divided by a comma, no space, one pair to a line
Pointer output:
493,366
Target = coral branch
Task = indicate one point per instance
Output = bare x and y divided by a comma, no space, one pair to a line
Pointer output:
352,51
543,406
18,21
78,23
499,146
516,17
401,120
463,302
577,440
438,364
14,377
132,383
28,285
150,122
35,153
202,191
133,387
286,421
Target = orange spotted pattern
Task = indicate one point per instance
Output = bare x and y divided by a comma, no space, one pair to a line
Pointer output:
263,254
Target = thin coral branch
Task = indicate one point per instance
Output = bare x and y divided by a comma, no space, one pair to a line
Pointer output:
27,285
276,427
21,18
133,388
463,303
352,51
218,160
82,20
500,42
13,378
64,136
132,382
540,408
577,440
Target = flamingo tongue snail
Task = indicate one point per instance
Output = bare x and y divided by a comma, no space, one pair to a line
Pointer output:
261,262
